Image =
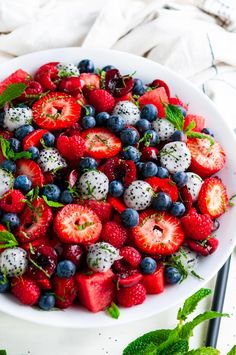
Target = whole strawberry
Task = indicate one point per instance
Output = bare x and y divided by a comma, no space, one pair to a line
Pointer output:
65,291
131,296
196,226
101,100
26,290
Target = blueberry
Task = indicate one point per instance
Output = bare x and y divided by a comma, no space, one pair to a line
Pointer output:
215,225
9,165
87,110
208,131
177,209
11,220
131,153
4,284
179,136
182,109
66,269
34,152
152,137
148,265
149,112
180,178
47,301
172,275
15,144
129,218
143,125
87,163
149,169
116,188
88,122
52,192
108,67
23,131
49,139
129,136
162,173
86,66
66,197
162,202
2,116
115,123
23,183
138,88
139,166
101,118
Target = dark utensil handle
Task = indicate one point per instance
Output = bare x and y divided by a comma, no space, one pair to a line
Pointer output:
218,304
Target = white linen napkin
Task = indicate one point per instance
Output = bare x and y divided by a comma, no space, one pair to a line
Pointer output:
196,38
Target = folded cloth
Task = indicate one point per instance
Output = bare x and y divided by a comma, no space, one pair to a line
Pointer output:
196,38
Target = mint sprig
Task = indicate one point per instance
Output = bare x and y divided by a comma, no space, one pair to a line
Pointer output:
9,153
7,240
175,341
52,203
113,311
11,92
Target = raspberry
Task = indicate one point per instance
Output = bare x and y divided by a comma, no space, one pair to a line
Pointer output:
101,100
26,290
72,147
196,226
131,296
12,201
118,169
203,247
131,256
115,234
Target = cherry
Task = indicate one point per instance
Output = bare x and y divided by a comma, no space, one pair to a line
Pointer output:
71,86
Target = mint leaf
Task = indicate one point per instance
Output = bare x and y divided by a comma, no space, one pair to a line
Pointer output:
201,136
113,310
232,351
9,153
3,352
7,240
186,331
11,92
179,348
52,203
151,349
191,303
175,116
170,341
139,345
33,194
204,351
190,127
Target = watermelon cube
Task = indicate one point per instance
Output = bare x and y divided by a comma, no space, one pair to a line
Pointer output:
154,283
156,97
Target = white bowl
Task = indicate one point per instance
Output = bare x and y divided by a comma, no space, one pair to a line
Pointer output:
147,70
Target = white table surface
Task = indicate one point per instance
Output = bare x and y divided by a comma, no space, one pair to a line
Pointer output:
23,338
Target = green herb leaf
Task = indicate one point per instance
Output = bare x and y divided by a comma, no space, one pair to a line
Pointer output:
175,116
178,348
52,203
191,303
113,310
84,225
190,127
11,92
33,194
193,273
232,351
3,352
204,351
201,136
9,153
187,329
7,240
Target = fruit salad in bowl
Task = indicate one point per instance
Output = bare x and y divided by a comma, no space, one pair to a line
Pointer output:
109,188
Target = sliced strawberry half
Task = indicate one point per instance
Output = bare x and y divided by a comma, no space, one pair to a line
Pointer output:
34,221
213,199
30,169
33,139
158,233
198,120
101,143
56,111
206,159
77,224
90,80
166,185
156,97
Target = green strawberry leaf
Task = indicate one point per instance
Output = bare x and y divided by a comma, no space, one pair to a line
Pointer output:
7,240
232,351
201,136
9,153
175,116
11,92
113,310
187,329
191,303
52,203
204,351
